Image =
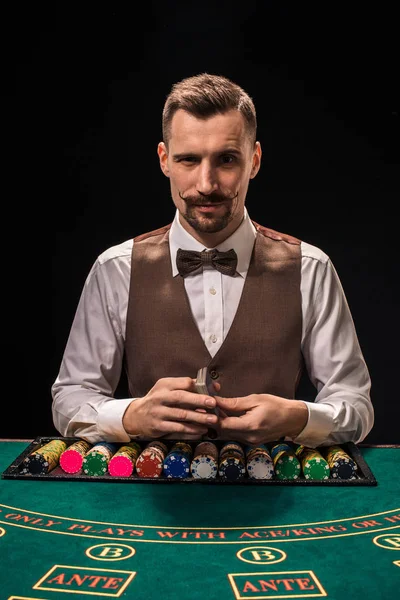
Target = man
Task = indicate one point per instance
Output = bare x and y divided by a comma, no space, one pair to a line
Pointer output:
271,307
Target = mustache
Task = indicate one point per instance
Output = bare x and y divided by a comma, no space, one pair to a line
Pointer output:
211,199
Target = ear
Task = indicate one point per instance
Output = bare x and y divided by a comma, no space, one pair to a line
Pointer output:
163,157
256,160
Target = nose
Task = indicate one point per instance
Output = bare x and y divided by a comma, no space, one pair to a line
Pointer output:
206,181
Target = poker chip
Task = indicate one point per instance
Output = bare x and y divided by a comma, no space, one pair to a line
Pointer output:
150,462
204,464
232,461
286,463
232,448
259,463
177,462
95,462
176,465
121,466
45,459
341,465
71,459
313,464
232,468
204,467
122,463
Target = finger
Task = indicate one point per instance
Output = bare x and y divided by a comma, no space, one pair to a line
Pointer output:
188,416
238,405
216,386
175,383
185,399
172,429
234,426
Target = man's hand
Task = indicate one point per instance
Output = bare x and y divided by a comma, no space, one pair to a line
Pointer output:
172,408
260,418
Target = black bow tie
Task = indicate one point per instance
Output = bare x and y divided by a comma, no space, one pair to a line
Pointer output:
190,260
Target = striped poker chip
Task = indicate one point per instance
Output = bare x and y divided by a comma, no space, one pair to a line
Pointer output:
316,468
95,464
204,467
44,459
176,465
149,464
286,463
260,466
287,467
344,468
232,447
36,464
232,468
313,464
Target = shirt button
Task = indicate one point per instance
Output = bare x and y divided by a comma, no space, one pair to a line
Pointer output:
213,291
213,338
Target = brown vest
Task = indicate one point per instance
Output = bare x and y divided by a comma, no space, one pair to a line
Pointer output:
261,352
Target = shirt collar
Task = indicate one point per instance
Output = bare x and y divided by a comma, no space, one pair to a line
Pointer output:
241,240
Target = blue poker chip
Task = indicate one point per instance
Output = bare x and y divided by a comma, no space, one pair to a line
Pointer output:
344,469
232,468
176,465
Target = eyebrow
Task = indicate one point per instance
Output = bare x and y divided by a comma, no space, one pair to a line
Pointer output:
181,155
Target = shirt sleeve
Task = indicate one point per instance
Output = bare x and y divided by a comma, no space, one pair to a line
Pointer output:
83,402
342,410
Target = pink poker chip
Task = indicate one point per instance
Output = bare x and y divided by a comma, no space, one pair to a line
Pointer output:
71,461
120,466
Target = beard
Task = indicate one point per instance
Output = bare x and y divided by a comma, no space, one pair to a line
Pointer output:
212,223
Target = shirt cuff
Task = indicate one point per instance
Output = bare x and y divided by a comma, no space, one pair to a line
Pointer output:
319,425
109,422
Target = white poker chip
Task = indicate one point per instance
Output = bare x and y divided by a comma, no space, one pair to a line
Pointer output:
203,467
260,467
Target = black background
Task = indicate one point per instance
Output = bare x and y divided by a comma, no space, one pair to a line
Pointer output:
84,91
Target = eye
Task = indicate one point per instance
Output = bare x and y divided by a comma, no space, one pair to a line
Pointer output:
228,159
188,159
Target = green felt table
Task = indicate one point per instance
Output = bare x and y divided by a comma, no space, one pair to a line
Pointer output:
63,539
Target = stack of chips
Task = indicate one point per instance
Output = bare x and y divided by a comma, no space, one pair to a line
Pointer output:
71,459
178,460
205,461
232,462
286,463
259,463
313,464
95,461
150,461
123,462
45,459
342,466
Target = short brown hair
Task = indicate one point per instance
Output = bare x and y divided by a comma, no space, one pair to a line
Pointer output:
206,95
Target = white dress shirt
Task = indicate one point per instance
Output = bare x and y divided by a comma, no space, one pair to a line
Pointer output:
83,402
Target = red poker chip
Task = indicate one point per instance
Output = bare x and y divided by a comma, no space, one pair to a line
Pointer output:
149,464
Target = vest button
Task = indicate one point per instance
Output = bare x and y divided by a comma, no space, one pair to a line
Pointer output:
214,374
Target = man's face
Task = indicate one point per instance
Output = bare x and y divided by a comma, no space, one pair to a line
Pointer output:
209,163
